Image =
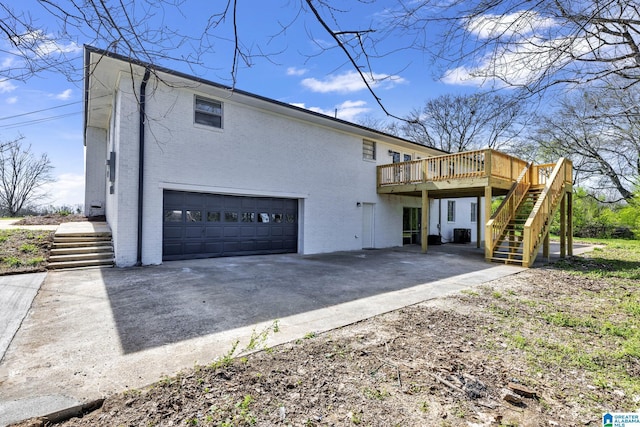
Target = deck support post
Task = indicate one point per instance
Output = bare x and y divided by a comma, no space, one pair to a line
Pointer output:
488,239
569,196
479,221
545,247
424,221
563,226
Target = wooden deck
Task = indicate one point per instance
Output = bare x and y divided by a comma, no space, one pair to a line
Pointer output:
487,173
456,175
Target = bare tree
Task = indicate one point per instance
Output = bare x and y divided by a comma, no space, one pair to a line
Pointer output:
143,31
531,45
22,175
456,123
599,129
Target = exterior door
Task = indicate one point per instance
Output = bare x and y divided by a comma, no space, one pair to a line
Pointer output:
368,226
411,226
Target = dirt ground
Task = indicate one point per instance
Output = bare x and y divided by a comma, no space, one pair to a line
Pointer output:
52,219
534,350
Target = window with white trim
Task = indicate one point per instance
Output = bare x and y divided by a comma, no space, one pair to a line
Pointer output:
208,112
474,212
451,211
368,149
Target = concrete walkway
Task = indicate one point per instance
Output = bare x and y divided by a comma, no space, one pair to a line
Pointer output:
16,293
9,224
91,333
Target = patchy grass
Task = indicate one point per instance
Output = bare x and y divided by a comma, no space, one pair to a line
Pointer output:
24,251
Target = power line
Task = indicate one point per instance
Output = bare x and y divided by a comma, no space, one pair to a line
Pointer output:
40,111
38,121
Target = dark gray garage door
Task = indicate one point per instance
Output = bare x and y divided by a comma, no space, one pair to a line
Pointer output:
197,225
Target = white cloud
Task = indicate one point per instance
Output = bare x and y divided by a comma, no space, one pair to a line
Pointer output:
294,71
66,190
7,62
6,86
518,23
46,44
524,49
348,110
351,82
12,100
65,95
519,64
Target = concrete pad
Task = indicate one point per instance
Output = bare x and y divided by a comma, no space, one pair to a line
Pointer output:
82,228
95,332
16,293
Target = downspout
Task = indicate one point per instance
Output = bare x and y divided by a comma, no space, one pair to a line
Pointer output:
143,101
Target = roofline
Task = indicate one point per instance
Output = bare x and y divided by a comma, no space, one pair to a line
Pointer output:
91,49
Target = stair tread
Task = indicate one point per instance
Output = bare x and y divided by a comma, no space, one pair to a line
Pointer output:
79,250
79,264
81,257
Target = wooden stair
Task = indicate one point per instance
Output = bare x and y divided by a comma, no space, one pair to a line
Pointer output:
509,249
81,245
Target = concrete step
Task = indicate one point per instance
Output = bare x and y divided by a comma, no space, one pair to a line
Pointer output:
80,250
84,234
74,239
59,265
63,245
81,257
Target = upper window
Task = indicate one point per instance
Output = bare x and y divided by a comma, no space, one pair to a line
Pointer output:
368,150
208,112
451,211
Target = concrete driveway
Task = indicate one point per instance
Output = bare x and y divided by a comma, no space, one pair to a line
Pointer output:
90,333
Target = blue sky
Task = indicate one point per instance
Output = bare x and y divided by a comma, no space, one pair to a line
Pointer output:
295,69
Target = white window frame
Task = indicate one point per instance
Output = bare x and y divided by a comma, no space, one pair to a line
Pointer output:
451,211
206,113
474,212
368,150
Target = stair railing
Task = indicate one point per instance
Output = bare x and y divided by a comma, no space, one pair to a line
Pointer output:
539,221
506,211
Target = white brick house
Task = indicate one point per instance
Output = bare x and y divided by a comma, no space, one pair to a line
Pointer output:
225,172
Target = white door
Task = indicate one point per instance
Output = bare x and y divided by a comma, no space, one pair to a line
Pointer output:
367,225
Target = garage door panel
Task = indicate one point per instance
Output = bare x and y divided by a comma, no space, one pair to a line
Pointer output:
247,231
193,232
172,248
263,231
231,231
172,233
198,225
213,247
213,232
193,248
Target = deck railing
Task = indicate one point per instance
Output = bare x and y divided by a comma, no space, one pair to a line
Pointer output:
506,211
468,164
539,220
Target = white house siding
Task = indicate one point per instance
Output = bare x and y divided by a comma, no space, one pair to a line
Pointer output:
438,215
257,153
264,149
122,205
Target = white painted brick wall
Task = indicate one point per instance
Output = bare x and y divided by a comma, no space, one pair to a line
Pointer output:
258,152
